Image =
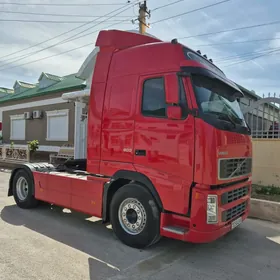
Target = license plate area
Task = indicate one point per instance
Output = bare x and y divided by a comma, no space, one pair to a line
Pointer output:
236,223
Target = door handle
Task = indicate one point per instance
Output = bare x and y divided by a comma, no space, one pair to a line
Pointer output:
140,152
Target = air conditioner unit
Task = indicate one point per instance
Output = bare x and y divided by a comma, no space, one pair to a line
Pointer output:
27,115
37,114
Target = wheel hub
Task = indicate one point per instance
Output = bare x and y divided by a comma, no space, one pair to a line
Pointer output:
22,188
132,216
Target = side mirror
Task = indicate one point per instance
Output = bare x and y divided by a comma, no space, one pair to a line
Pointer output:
171,89
174,112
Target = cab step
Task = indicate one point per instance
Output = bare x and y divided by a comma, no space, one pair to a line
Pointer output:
174,226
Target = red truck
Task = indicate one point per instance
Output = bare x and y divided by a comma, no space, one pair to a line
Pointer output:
168,150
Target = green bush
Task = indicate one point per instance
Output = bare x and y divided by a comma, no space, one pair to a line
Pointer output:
33,145
267,190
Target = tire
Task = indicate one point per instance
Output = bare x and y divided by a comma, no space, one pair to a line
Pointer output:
126,203
23,187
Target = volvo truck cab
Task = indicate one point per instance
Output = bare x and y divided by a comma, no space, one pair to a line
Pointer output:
168,150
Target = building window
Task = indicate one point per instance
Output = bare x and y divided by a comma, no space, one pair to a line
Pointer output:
153,104
58,125
17,127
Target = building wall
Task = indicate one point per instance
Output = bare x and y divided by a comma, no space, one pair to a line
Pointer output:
30,102
266,162
37,129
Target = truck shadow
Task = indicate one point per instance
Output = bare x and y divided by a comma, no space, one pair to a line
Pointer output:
109,258
107,254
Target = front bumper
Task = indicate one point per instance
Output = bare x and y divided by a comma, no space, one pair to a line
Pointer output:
194,236
194,228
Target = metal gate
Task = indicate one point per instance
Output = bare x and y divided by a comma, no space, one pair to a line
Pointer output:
263,117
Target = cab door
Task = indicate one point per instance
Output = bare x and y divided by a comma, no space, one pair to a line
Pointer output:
163,146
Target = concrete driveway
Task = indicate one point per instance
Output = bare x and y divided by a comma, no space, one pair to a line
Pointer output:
47,243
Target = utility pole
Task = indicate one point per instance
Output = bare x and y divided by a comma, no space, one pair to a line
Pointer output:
142,17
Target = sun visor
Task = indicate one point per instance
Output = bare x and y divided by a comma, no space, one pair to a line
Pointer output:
188,70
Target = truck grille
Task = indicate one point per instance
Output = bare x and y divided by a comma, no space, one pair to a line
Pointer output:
235,211
234,167
234,195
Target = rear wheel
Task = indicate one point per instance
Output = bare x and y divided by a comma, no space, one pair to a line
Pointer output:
23,190
135,216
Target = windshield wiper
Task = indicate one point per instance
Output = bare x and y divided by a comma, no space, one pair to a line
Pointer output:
223,117
227,118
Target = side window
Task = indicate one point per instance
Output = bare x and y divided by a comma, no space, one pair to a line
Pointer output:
153,99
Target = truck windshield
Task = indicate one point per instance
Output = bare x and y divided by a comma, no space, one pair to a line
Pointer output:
215,98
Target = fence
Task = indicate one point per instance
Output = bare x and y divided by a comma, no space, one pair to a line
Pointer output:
263,117
15,154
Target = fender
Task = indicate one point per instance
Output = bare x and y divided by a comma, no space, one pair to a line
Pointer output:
125,176
29,168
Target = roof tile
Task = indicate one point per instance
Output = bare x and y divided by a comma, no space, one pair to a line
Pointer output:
6,90
69,82
26,85
50,76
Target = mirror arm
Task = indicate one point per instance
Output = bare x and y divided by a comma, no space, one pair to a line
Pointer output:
194,112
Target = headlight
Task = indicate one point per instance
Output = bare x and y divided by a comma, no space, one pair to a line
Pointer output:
212,209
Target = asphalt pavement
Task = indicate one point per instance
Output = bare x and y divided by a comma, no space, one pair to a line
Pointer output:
52,243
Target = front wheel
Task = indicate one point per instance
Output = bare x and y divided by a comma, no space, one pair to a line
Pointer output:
135,216
23,190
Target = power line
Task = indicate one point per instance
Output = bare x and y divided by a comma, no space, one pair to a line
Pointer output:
192,11
233,29
238,42
166,5
59,43
64,33
56,15
53,21
238,56
43,58
62,4
87,34
247,60
36,52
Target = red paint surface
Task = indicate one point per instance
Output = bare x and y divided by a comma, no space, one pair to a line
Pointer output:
83,195
178,152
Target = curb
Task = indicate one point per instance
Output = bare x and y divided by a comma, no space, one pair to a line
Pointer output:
3,170
6,165
265,210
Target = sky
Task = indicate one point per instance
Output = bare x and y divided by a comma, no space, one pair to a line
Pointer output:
260,75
